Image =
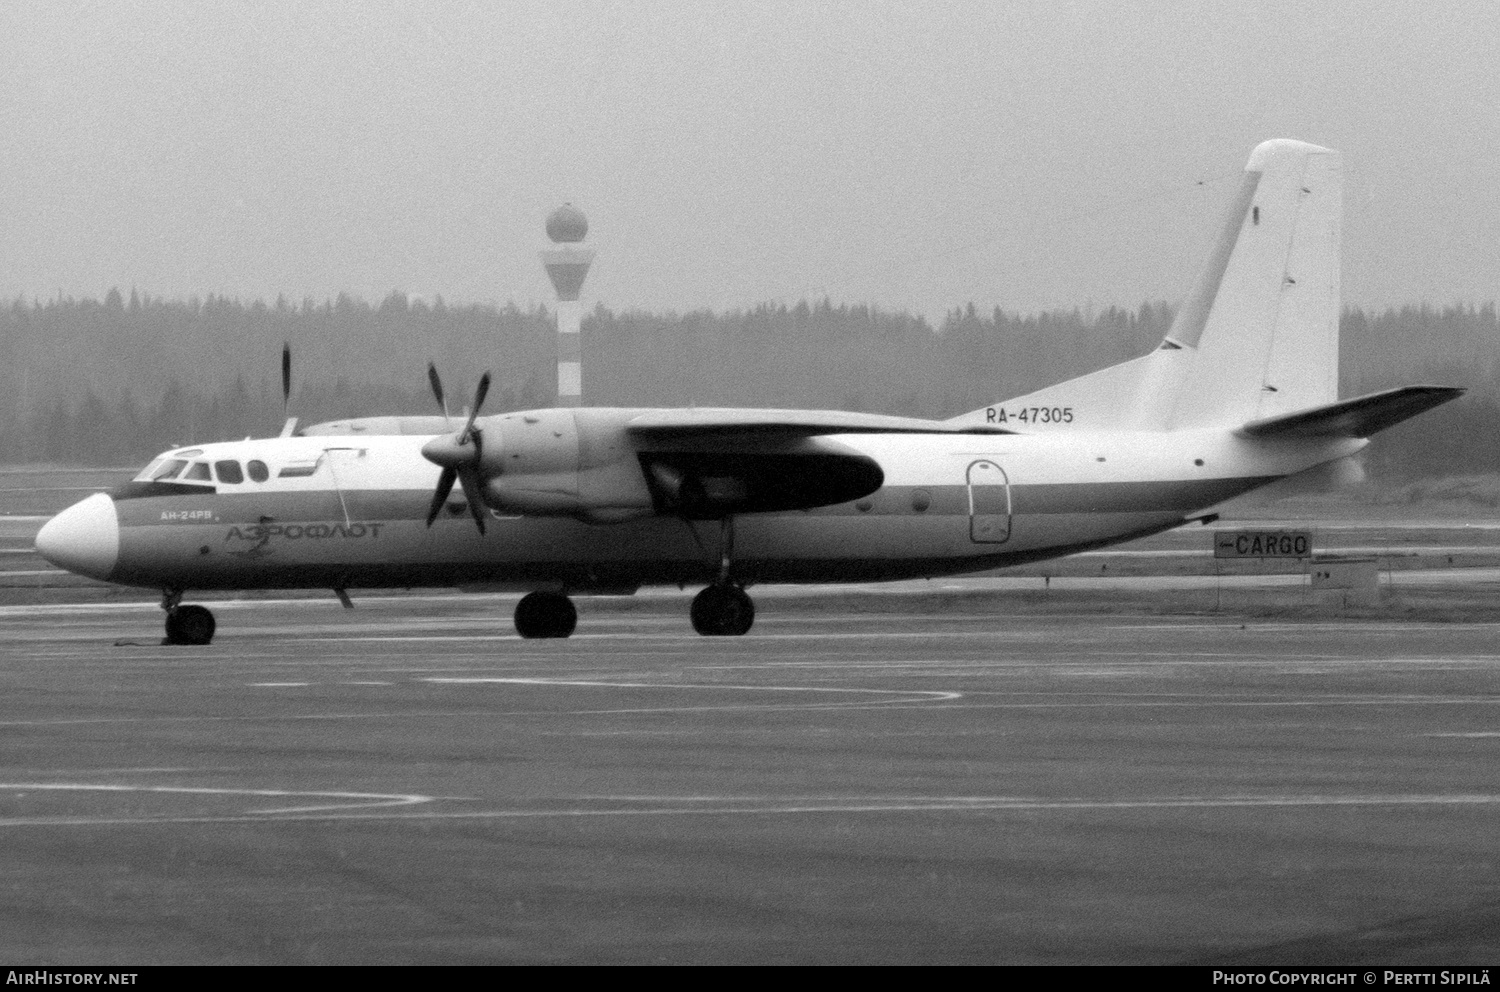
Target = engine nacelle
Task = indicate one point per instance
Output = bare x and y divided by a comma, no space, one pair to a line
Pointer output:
564,462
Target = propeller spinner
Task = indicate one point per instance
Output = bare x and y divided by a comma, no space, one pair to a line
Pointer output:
458,454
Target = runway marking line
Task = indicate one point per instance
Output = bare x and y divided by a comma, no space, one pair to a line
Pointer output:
353,800
716,805
932,695
678,635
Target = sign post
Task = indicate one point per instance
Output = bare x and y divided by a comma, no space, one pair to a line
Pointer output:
1259,544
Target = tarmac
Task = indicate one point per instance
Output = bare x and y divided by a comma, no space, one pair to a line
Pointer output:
985,775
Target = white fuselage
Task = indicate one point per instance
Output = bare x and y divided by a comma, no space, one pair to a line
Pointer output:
350,512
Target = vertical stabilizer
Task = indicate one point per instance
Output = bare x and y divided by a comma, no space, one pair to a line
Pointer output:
1256,337
1263,318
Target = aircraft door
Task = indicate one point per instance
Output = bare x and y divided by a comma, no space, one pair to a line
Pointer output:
989,503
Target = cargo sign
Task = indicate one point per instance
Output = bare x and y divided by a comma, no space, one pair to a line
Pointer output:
1263,544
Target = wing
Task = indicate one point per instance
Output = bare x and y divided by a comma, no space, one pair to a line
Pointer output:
1359,417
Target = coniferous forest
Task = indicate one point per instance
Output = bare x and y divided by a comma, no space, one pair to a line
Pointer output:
111,383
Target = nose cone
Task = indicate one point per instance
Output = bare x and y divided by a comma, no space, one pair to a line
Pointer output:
84,538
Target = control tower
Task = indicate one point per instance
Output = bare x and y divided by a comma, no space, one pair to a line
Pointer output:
567,266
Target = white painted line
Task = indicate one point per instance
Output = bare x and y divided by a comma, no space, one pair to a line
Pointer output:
1229,703
926,694
408,638
667,806
349,800
1476,733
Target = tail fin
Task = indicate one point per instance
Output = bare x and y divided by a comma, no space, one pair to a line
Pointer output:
1256,338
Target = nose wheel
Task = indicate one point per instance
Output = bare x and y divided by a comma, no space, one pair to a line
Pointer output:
722,610
189,624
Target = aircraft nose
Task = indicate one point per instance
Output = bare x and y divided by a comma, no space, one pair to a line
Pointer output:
84,538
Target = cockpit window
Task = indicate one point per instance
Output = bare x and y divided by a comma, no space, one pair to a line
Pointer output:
168,470
229,471
258,471
197,472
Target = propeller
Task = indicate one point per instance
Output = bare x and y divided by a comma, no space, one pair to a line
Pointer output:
459,454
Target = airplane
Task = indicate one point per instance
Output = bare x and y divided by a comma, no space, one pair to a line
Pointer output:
553,503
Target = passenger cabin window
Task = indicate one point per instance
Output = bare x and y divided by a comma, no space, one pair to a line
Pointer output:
297,470
197,472
229,471
258,471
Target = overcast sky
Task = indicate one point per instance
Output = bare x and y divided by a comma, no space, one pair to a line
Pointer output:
915,155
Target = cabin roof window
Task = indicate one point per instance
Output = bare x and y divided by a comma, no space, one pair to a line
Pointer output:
258,471
187,453
229,471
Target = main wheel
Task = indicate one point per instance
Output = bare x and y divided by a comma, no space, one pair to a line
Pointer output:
545,614
190,625
722,611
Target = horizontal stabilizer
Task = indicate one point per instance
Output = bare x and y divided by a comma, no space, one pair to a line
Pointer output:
700,422
1359,417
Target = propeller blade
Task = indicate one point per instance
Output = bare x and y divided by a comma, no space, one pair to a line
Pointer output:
479,394
286,375
437,387
440,495
470,480
482,391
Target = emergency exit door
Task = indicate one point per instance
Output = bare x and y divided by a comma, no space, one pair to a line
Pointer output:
989,503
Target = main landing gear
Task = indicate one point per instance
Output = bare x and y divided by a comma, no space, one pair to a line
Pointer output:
723,609
545,614
186,624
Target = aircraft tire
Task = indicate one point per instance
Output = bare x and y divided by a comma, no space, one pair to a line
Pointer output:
722,611
545,614
190,625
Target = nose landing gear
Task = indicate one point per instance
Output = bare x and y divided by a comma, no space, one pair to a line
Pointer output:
186,624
